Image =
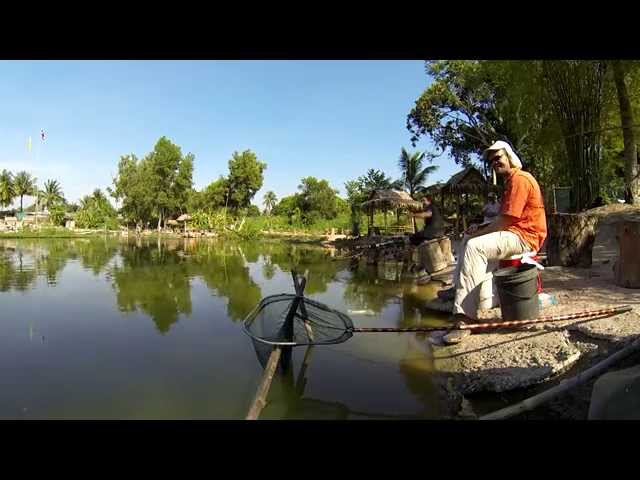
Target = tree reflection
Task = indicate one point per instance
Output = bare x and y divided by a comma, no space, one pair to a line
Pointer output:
153,281
418,371
95,254
288,256
366,290
223,268
17,271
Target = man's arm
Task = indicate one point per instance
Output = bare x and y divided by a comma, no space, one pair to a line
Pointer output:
428,214
502,222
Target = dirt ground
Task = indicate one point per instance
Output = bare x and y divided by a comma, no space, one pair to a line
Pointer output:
494,370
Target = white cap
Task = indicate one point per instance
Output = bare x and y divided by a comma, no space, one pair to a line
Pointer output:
500,145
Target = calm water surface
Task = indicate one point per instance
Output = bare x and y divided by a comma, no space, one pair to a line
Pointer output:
149,329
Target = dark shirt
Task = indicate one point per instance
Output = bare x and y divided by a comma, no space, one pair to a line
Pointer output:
434,225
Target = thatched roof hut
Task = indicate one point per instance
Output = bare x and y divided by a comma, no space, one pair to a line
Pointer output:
390,199
184,217
469,180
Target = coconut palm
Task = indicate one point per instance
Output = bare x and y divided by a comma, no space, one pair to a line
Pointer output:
7,189
414,172
269,201
51,194
24,184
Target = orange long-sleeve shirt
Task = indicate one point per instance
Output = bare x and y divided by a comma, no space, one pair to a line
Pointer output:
523,200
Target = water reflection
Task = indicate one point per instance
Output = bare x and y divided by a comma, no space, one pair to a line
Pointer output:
155,277
166,281
15,272
23,261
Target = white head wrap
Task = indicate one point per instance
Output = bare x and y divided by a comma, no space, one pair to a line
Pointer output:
500,145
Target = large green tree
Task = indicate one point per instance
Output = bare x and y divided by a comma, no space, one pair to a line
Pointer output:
631,166
170,178
288,207
317,199
245,179
155,187
132,186
24,184
215,195
7,190
471,104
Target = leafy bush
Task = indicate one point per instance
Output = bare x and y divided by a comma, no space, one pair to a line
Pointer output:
57,215
96,212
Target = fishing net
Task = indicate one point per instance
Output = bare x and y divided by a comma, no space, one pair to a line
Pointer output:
292,320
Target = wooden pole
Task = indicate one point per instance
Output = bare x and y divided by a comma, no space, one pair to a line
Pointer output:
385,221
260,399
466,208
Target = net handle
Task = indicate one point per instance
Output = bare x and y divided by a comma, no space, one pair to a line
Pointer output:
299,286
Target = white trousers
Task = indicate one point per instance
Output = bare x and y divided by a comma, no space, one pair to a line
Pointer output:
477,258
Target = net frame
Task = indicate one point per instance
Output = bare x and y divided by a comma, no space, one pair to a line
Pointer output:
342,323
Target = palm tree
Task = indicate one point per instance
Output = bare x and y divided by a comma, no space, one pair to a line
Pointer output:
51,194
7,189
269,201
24,184
413,171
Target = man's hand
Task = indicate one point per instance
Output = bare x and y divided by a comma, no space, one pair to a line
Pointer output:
473,228
502,222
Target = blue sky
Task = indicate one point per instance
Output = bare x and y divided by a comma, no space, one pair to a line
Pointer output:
328,119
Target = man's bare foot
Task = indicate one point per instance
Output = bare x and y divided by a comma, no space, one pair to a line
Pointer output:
459,320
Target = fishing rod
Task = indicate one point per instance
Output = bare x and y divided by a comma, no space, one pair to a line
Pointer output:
505,324
360,249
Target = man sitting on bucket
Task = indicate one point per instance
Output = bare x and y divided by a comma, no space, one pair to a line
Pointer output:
520,227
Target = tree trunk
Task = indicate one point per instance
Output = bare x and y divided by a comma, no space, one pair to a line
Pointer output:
631,173
570,239
159,219
627,268
20,203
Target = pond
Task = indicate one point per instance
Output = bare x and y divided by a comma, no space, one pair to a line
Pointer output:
145,328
